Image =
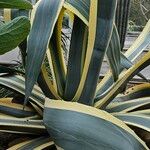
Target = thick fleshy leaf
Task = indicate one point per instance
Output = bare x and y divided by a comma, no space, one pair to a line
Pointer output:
17,83
19,125
59,72
113,54
145,112
39,38
126,64
13,33
129,105
105,17
135,92
139,121
132,53
81,8
75,126
76,57
125,77
140,44
36,144
46,84
121,19
90,47
20,4
9,107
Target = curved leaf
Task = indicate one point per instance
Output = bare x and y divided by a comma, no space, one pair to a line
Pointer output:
113,54
135,92
36,144
76,56
81,8
90,47
128,106
121,20
46,84
9,107
17,83
75,126
37,43
13,33
23,126
125,77
105,17
145,112
132,53
139,121
126,64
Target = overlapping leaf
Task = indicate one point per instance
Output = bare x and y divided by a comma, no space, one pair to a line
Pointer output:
17,83
105,17
37,43
113,54
132,53
72,126
13,33
36,143
125,77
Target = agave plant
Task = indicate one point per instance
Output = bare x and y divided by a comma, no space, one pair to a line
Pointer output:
74,109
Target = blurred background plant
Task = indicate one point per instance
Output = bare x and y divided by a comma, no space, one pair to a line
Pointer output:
139,14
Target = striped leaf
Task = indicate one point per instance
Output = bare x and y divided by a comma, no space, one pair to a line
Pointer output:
36,144
75,126
145,112
17,83
20,4
55,52
37,43
46,84
125,77
9,107
121,20
105,17
113,54
76,57
90,48
129,105
57,65
13,33
139,121
126,64
132,53
140,43
81,8
135,92
22,126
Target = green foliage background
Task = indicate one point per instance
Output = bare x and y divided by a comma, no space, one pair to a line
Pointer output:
137,19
